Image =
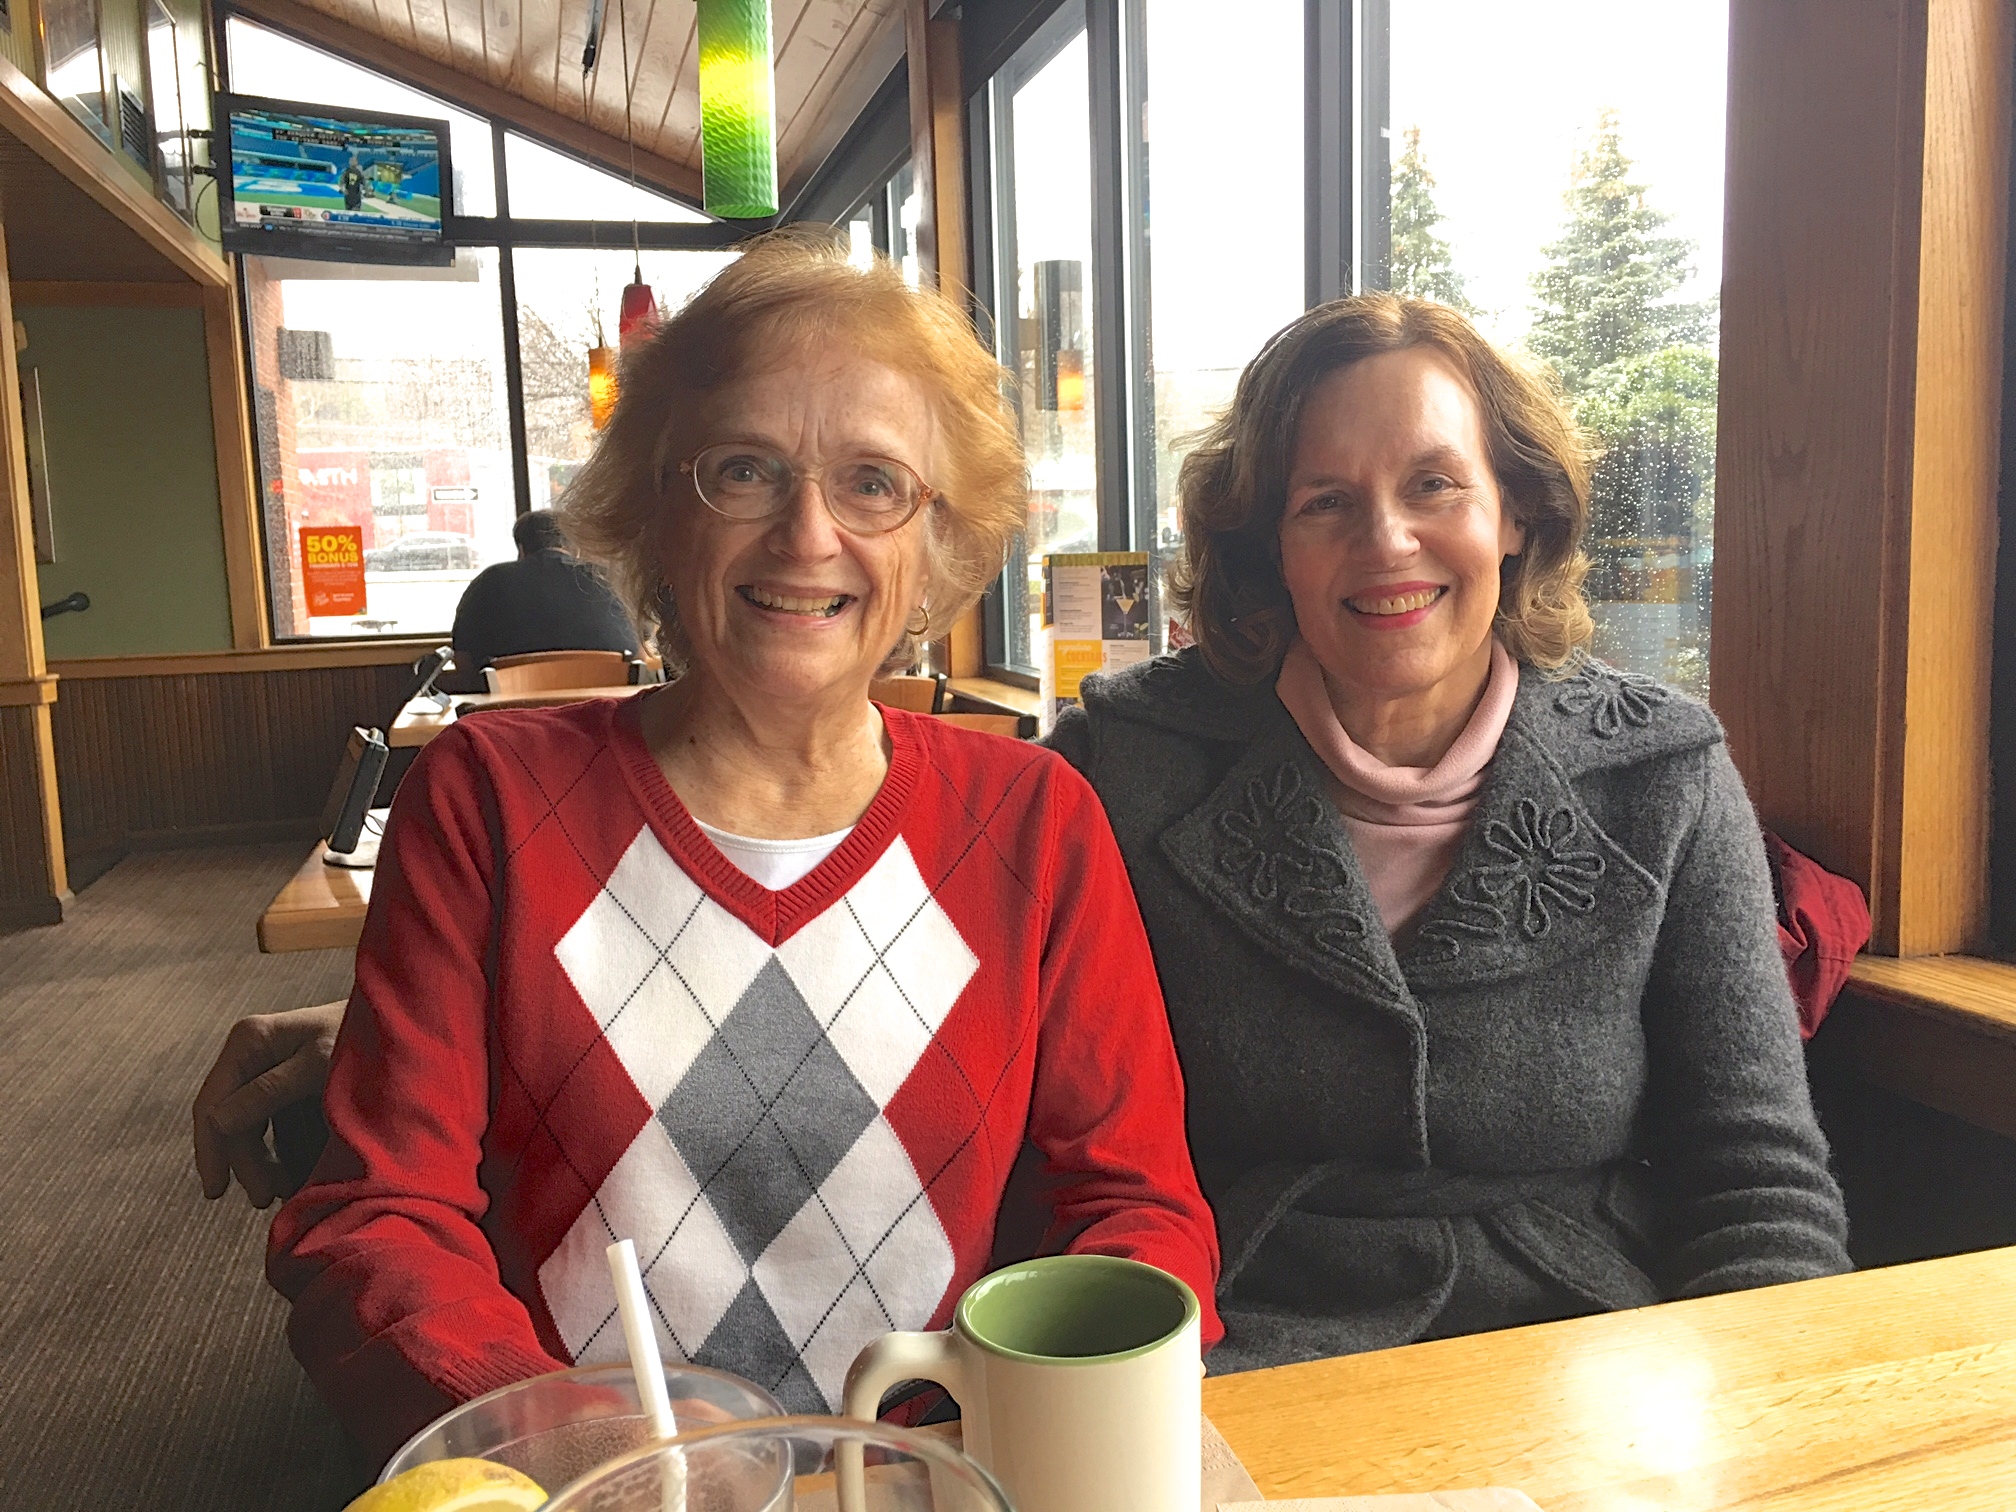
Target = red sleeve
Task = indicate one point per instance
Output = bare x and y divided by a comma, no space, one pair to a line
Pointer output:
1107,1109
398,1312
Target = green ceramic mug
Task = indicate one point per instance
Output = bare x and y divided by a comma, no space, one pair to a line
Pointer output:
1079,1380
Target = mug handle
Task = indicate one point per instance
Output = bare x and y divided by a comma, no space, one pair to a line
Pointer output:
892,1358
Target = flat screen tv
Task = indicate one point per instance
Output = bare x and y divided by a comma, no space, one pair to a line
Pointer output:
334,185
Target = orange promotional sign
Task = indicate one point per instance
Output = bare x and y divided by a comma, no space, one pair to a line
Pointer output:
332,568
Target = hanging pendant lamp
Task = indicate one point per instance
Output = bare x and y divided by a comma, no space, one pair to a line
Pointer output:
738,110
601,384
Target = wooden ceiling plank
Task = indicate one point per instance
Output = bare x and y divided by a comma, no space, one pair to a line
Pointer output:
822,27
570,85
462,21
678,137
502,29
835,34
472,93
839,98
538,58
659,50
611,108
46,130
428,20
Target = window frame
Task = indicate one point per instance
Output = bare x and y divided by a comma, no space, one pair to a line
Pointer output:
1116,60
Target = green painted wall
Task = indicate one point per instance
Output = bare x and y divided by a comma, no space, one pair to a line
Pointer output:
133,481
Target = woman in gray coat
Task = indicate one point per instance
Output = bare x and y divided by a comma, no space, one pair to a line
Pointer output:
1467,939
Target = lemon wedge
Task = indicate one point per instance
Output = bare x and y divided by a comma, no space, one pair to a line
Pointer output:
454,1485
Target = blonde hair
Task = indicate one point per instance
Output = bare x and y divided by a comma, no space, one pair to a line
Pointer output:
1227,580
787,290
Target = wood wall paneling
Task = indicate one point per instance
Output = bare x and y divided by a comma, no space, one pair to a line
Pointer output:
1939,802
1860,347
206,757
34,885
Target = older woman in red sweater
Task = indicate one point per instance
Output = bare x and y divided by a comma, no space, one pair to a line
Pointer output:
769,978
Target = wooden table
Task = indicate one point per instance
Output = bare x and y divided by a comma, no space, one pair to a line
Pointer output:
321,908
421,720
1888,1389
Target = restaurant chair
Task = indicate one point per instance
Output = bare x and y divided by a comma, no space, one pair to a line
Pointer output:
915,695
1014,726
545,671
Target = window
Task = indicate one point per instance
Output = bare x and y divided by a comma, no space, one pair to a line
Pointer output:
1584,228
1225,194
1042,161
568,302
380,404
549,185
384,398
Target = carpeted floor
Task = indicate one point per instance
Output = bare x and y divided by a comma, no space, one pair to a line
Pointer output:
142,1356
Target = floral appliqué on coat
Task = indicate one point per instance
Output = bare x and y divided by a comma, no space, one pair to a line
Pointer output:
1541,872
1273,843
1613,700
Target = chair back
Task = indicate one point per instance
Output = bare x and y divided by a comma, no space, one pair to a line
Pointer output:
543,671
916,695
1011,725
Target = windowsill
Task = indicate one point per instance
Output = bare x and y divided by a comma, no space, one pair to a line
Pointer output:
1940,1030
988,696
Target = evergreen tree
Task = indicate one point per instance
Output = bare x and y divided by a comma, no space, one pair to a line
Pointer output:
1421,265
1604,295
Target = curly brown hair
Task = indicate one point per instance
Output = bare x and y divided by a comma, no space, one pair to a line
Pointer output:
789,289
1227,580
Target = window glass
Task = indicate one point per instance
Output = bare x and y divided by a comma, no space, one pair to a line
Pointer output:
1047,207
568,302
1224,138
1584,228
379,404
549,185
860,230
903,213
266,63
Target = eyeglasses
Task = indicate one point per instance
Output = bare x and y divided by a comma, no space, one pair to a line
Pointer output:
867,495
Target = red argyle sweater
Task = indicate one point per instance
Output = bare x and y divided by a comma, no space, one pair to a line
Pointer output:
576,1021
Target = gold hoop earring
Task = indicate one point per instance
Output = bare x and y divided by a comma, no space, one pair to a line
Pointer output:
925,630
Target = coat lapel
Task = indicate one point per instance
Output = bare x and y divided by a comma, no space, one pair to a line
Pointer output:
1537,881
1267,848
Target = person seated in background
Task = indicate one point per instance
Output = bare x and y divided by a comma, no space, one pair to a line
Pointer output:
544,601
775,981
1468,939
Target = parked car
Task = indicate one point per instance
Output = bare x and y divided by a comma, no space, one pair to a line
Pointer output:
422,551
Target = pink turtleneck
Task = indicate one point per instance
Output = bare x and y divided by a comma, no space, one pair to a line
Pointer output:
1406,823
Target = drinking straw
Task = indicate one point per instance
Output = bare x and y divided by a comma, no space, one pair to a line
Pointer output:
641,1339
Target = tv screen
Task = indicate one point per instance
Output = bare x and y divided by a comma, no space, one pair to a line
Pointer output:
336,185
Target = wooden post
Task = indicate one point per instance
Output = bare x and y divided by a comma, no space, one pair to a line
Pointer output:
938,147
34,880
1855,518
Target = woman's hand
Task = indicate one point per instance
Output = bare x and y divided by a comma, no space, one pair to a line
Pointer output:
269,1061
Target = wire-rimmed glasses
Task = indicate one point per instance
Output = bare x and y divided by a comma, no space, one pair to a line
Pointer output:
867,495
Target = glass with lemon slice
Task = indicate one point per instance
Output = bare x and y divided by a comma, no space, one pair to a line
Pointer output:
555,1428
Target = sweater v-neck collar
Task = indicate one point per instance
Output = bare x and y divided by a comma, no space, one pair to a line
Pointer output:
773,916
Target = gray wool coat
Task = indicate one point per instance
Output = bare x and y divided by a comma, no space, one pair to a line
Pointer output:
1577,1085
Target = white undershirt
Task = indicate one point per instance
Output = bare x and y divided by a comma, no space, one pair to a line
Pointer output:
775,863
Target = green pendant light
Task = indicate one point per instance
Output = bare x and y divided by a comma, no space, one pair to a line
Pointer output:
738,110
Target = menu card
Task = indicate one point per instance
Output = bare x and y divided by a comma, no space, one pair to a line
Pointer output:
1095,619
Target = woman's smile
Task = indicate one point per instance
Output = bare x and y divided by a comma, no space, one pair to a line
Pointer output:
1396,606
801,604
